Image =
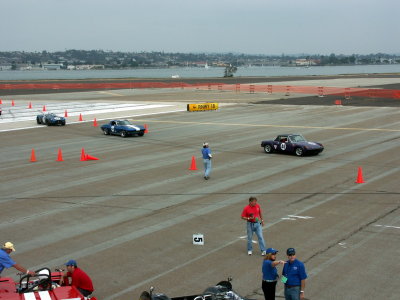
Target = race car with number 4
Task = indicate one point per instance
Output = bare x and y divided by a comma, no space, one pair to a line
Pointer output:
122,128
293,144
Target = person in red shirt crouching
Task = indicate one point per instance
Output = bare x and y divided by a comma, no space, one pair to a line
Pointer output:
80,279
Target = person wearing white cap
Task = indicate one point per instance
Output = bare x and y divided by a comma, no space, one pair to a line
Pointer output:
206,152
7,262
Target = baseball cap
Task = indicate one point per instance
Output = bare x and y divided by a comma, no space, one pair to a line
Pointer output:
271,250
290,251
205,144
9,245
71,262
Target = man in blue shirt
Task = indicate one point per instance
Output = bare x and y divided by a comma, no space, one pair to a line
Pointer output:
206,152
294,276
7,262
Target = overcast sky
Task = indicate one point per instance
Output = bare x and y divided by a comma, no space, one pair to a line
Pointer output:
238,26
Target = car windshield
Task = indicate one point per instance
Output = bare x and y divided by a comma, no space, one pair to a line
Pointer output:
124,122
297,138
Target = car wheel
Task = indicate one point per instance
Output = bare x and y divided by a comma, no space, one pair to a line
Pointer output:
123,133
106,131
299,151
268,149
141,133
38,121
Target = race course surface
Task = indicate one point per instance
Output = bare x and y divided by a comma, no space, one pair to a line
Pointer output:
129,218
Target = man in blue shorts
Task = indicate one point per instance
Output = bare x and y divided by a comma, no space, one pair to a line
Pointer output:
7,262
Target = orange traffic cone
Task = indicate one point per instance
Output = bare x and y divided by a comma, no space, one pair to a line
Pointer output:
1,101
193,164
146,129
65,114
83,155
33,156
80,117
44,107
94,122
89,157
59,157
30,105
359,176
12,102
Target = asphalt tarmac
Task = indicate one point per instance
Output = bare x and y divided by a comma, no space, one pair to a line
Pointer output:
129,217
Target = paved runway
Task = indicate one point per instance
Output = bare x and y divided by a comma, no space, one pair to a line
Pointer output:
128,218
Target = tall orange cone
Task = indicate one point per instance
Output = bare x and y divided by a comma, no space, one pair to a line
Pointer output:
33,156
359,176
44,107
59,157
83,155
65,114
12,102
1,101
146,128
193,164
80,117
94,122
30,105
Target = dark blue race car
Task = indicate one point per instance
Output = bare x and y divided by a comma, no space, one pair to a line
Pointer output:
50,119
123,128
292,143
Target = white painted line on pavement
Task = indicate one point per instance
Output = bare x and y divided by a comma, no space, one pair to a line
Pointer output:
300,217
388,226
86,121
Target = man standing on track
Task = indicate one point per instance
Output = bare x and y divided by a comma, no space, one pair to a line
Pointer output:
294,276
206,152
253,215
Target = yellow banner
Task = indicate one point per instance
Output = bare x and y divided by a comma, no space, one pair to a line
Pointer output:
202,106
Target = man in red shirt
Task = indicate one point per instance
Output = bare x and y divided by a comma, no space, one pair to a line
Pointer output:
79,278
253,215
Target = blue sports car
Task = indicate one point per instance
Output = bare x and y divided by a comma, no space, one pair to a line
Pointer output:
50,119
292,143
123,128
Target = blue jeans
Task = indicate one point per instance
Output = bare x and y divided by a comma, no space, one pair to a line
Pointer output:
292,293
207,167
251,229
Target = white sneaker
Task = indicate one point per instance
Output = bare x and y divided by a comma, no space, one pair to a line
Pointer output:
264,253
249,252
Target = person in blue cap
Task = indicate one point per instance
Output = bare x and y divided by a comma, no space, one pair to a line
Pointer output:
79,278
294,276
207,156
270,273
